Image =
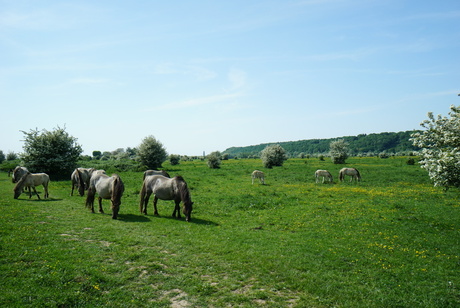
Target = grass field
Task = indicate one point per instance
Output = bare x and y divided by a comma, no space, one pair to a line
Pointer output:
392,240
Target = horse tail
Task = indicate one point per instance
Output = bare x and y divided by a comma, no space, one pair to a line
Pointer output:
341,175
81,183
90,197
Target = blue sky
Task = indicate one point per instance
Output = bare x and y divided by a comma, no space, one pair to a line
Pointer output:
208,75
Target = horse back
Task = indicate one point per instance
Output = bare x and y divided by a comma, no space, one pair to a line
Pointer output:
164,188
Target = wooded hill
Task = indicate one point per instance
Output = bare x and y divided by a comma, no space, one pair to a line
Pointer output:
390,143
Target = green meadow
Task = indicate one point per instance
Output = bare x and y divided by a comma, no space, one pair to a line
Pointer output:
391,240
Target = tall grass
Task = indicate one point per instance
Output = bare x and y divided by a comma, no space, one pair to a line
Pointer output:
391,240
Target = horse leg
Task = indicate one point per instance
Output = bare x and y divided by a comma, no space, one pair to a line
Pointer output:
146,203
45,188
100,206
177,209
155,200
35,191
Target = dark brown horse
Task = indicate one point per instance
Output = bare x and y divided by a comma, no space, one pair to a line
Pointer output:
166,189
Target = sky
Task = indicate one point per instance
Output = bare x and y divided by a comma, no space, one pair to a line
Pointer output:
203,76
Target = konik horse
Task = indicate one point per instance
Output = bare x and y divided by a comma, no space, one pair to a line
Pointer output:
80,178
352,172
31,180
166,189
107,187
256,174
324,174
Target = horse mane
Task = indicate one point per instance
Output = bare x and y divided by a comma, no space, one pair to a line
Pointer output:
166,174
357,171
20,184
183,188
81,188
118,188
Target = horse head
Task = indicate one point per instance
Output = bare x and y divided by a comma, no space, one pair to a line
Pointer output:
187,210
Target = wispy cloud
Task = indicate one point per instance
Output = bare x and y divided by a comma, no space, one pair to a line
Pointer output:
208,100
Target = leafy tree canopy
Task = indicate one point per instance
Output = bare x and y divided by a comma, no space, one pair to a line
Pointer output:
53,152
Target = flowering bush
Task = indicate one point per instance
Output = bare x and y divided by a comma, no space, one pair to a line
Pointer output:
273,155
440,144
339,151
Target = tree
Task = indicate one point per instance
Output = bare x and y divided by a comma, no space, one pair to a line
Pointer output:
53,152
2,156
440,148
174,159
214,160
151,153
339,151
97,154
273,155
11,156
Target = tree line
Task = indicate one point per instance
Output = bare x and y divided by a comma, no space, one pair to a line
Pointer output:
390,143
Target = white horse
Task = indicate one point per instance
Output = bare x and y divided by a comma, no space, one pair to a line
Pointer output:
352,172
80,178
256,174
30,180
107,187
324,174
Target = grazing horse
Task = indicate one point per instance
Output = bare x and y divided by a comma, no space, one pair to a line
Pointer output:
166,189
31,180
18,172
156,172
80,179
107,187
353,172
324,174
256,174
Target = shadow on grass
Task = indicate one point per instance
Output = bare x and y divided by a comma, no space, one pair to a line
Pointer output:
192,221
34,199
133,218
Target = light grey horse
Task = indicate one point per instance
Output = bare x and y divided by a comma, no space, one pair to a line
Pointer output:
323,174
107,187
166,189
256,174
31,180
352,172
